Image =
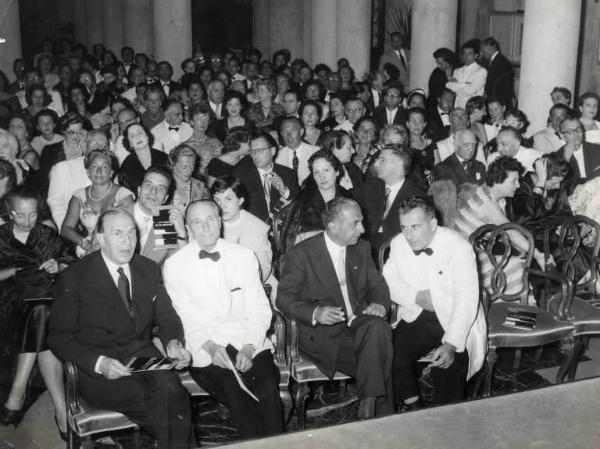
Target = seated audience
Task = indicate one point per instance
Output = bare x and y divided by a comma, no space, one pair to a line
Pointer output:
172,130
265,111
19,128
475,107
296,153
339,143
186,188
549,139
588,107
235,148
46,122
309,113
154,114
366,130
420,147
391,111
226,316
234,103
205,146
462,166
9,149
509,144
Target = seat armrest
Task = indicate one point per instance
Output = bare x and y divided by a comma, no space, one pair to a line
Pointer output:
279,334
72,388
567,291
292,340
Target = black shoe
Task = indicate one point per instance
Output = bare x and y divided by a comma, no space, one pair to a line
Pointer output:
63,435
413,406
11,417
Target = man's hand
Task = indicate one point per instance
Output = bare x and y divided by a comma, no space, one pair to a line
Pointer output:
329,315
243,361
278,184
443,356
50,266
423,300
541,172
113,369
176,218
569,148
375,309
218,354
179,354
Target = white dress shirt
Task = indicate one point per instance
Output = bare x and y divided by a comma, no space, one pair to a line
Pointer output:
391,115
376,97
445,116
547,141
217,108
450,275
526,156
222,301
470,81
338,257
66,178
578,155
143,222
446,149
165,139
303,152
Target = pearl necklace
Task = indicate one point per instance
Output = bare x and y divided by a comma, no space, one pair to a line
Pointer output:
99,199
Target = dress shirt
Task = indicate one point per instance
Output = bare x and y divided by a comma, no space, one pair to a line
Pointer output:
445,116
391,115
338,257
66,178
376,97
578,155
547,141
222,301
165,140
166,88
216,109
346,125
493,57
144,224
394,189
450,275
303,152
526,156
470,81
446,149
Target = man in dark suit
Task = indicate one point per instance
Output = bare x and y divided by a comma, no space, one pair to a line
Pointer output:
269,185
583,157
379,197
399,56
105,309
391,112
438,118
331,287
462,166
375,80
165,72
500,74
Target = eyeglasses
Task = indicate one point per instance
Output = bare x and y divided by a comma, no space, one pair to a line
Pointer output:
255,151
573,131
73,133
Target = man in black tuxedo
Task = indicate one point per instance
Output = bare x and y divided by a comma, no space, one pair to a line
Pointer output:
165,73
375,80
500,74
105,309
438,118
391,112
583,157
331,286
270,186
216,93
379,197
462,166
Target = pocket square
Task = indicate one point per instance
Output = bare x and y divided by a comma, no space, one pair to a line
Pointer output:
154,298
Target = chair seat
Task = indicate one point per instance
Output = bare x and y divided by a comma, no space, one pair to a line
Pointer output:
92,420
547,329
586,317
306,371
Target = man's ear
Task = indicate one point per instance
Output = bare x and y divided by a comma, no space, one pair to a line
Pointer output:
434,223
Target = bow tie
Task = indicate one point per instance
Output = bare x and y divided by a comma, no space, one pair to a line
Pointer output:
443,113
174,128
427,251
212,256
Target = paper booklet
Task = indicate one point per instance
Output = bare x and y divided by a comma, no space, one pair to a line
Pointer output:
164,233
239,380
138,364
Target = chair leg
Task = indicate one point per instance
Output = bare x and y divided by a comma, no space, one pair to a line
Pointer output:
343,388
567,351
491,360
538,354
578,352
288,404
137,437
87,443
302,392
73,441
516,366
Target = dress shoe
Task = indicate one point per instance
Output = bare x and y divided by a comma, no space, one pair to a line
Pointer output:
413,406
11,417
366,408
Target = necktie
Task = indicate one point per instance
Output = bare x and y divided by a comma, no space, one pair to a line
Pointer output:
267,189
426,251
123,287
443,113
174,128
387,201
341,272
465,165
295,162
167,88
212,256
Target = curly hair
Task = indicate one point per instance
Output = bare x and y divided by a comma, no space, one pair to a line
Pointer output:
497,171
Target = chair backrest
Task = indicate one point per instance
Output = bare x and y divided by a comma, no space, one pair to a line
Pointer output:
501,263
574,243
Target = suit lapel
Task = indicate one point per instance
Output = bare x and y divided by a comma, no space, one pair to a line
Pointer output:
352,264
325,271
107,286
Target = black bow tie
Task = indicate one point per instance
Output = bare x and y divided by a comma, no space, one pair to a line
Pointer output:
443,113
212,256
174,128
427,251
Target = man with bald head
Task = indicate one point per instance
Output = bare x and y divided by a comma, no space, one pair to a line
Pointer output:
216,289
461,166
104,314
509,144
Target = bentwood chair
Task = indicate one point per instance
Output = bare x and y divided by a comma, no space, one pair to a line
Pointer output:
574,243
494,245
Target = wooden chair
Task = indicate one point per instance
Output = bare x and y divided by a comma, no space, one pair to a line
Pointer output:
576,241
494,243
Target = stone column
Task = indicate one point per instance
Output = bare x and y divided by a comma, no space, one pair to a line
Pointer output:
79,28
353,29
261,27
173,32
548,55
287,27
94,22
138,25
433,26
10,35
113,26
323,27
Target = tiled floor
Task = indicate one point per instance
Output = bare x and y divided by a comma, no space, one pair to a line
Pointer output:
328,406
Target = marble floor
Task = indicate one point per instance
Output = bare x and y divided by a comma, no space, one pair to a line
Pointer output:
328,405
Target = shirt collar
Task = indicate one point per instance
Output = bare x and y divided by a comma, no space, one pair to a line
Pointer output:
113,267
332,247
264,172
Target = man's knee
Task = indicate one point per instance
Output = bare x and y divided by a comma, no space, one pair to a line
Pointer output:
375,325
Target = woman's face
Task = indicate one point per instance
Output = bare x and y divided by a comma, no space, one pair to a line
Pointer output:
324,174
195,93
229,203
513,121
138,139
17,128
416,101
310,116
312,92
264,94
200,122
496,111
344,154
73,134
77,97
345,75
510,185
283,85
336,106
184,167
100,170
233,107
24,214
477,115
416,124
589,108
366,132
37,98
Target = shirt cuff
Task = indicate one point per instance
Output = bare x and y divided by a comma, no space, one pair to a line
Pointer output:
314,320
97,365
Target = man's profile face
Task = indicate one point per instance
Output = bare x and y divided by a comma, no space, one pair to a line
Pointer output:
347,227
418,228
118,239
487,51
572,132
204,224
507,144
388,166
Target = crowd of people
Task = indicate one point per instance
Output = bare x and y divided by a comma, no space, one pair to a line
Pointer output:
277,183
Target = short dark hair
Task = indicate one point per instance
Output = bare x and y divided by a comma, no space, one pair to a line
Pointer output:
394,85
70,118
21,192
223,183
266,137
587,96
556,165
491,42
170,102
497,171
329,157
400,152
335,140
561,106
29,91
520,115
510,130
312,103
473,44
366,118
110,213
291,119
476,102
417,202
563,90
234,140
333,209
183,149
200,108
231,94
7,170
416,110
447,55
127,143
47,113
